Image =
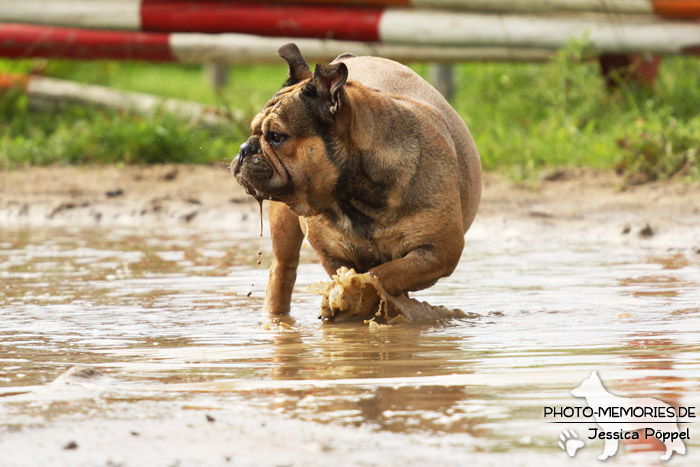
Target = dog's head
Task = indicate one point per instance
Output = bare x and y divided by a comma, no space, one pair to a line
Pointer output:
288,156
590,386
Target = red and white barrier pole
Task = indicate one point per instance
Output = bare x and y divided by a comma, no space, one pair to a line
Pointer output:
216,15
207,17
391,25
25,41
667,8
95,14
396,29
245,48
603,33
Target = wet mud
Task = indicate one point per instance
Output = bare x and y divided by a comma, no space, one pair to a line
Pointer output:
126,342
139,340
349,295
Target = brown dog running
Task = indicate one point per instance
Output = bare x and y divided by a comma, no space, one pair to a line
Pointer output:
371,164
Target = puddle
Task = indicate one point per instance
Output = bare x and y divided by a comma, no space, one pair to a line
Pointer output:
171,321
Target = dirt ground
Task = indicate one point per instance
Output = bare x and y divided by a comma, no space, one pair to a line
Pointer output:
589,203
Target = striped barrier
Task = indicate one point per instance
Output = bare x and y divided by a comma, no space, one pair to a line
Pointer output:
206,17
667,8
138,14
405,37
385,25
27,41
604,34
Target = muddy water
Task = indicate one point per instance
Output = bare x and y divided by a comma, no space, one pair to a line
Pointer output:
190,373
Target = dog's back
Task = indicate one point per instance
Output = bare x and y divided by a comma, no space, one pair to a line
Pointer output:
395,78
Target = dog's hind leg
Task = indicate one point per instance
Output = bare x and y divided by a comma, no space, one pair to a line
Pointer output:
609,449
423,266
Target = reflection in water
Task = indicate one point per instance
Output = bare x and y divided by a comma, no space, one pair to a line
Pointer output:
166,315
653,351
400,352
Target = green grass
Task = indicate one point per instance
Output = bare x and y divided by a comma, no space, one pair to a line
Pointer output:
249,86
524,117
89,136
527,117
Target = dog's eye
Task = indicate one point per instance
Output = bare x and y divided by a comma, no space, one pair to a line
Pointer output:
275,138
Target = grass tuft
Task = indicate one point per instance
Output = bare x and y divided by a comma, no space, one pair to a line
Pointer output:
79,135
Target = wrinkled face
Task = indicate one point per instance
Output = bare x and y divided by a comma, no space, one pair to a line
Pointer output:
286,157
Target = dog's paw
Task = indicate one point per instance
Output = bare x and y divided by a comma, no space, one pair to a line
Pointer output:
569,442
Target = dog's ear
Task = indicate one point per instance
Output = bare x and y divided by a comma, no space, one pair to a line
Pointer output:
298,69
327,82
594,375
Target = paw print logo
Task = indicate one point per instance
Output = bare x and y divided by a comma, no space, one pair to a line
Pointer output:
569,442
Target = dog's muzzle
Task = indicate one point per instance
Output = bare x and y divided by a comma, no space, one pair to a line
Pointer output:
246,150
252,170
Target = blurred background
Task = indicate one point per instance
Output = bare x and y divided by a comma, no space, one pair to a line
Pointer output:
541,84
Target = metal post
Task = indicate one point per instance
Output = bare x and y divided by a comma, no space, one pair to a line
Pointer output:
441,76
217,75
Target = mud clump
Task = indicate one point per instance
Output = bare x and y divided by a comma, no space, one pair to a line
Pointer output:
70,445
647,231
170,174
349,295
114,193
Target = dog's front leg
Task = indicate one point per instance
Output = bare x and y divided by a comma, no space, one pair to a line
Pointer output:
609,449
421,267
286,242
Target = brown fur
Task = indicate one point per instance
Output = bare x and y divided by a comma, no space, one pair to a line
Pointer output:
378,172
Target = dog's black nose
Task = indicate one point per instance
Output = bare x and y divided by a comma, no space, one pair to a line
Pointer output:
246,150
